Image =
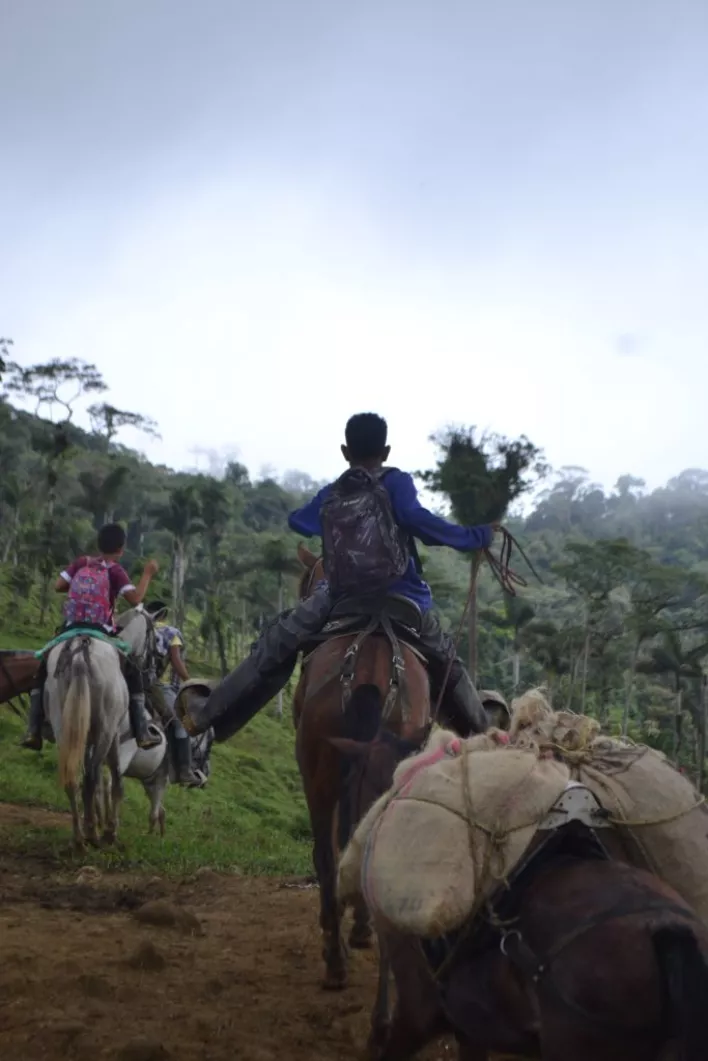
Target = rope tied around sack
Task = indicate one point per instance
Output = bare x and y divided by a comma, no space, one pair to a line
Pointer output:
627,823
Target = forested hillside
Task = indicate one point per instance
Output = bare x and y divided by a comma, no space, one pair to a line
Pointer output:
618,627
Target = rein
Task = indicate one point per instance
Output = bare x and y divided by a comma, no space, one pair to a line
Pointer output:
507,578
501,566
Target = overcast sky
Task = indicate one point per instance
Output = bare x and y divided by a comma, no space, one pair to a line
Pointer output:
258,218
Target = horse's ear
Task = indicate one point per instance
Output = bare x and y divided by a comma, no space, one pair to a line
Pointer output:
305,556
352,749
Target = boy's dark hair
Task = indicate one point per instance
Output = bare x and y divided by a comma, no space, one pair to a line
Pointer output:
111,539
155,607
365,436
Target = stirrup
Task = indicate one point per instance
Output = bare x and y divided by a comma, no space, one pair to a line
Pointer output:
33,742
147,742
190,781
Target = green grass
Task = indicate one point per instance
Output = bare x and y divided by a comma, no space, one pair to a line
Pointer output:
251,817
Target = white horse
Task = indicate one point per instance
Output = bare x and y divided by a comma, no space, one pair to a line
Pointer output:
151,766
86,703
85,700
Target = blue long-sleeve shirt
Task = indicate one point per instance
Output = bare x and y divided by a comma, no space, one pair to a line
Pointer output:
414,520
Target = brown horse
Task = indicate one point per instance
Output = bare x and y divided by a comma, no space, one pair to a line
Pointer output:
18,673
359,668
602,962
582,957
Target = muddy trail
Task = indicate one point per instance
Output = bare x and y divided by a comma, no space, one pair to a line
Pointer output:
98,964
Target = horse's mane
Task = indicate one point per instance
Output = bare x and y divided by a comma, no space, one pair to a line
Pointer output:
135,633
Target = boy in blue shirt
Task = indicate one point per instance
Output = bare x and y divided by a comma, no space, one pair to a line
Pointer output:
368,521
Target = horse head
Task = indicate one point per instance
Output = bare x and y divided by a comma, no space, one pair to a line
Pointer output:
137,629
371,752
313,570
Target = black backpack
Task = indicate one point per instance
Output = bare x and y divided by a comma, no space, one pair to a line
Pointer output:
364,550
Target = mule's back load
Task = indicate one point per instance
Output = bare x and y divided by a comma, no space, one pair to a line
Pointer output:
461,817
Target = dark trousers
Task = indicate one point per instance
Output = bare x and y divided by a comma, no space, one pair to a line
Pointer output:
273,657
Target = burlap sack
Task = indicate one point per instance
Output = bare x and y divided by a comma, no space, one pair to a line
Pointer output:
660,816
452,832
350,863
441,743
658,813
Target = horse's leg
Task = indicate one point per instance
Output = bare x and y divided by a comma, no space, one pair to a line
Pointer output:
112,811
72,792
321,783
381,1013
99,805
361,935
418,1016
155,789
90,788
322,818
106,792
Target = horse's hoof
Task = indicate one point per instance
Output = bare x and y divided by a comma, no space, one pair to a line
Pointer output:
92,841
79,847
361,939
377,1042
335,981
108,839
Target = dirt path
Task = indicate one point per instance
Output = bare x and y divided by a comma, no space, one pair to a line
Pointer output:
232,972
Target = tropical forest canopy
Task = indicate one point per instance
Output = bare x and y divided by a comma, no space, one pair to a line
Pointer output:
617,626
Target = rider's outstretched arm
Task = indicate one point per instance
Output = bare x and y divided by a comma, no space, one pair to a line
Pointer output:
135,595
425,525
306,520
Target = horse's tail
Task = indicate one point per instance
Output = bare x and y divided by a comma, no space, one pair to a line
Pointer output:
75,721
362,715
684,973
362,719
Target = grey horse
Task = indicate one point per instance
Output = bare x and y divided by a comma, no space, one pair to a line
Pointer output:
85,700
153,766
86,704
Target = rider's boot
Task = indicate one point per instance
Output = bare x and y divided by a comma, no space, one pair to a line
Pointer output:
33,737
181,753
139,723
461,705
263,674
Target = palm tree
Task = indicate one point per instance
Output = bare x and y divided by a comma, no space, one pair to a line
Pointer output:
549,645
669,657
216,510
481,477
518,613
101,492
278,559
181,516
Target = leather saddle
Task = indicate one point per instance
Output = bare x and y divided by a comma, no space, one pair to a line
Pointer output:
350,615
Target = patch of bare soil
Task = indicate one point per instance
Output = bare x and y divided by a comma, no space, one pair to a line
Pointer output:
100,965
